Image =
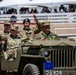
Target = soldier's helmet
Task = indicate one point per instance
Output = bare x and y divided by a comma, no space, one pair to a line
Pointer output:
26,20
7,22
45,23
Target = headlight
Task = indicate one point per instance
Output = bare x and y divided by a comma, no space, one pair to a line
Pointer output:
46,53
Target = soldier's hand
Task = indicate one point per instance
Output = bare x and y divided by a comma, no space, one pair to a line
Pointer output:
42,39
4,38
11,44
35,18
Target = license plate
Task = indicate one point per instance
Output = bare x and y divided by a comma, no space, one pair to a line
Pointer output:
49,72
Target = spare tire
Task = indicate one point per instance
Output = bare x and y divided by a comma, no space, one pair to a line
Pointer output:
31,69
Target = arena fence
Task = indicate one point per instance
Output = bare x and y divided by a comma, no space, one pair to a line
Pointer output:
53,17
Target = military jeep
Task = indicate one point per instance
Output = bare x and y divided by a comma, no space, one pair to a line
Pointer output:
33,58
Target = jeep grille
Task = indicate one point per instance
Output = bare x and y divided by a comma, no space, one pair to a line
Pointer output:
64,58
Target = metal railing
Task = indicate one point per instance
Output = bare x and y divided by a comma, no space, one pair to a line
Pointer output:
65,32
53,17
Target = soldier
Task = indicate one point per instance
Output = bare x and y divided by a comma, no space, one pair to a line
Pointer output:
13,43
4,33
0,52
46,34
14,36
7,27
27,32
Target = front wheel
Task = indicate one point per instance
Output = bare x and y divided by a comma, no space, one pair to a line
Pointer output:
31,69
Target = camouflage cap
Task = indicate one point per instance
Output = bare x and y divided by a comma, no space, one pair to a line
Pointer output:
45,23
7,22
14,28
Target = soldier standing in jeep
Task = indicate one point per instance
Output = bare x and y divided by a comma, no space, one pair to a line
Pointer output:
46,34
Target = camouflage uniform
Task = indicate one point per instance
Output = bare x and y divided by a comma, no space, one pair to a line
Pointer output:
14,39
3,34
12,46
43,36
29,34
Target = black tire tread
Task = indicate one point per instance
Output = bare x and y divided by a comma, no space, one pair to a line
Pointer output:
33,68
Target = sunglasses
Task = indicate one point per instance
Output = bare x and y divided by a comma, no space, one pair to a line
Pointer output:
6,24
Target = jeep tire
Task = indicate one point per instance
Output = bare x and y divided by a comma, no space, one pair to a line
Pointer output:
31,69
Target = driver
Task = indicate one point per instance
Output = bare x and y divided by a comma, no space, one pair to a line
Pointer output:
46,34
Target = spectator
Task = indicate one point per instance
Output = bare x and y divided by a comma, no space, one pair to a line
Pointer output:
27,11
35,11
45,10
62,8
72,8
55,10
32,11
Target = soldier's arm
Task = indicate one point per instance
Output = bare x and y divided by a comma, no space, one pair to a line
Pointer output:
38,25
39,36
56,36
22,35
4,43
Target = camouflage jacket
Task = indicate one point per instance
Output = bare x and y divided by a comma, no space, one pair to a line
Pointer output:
3,33
29,34
43,36
13,41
